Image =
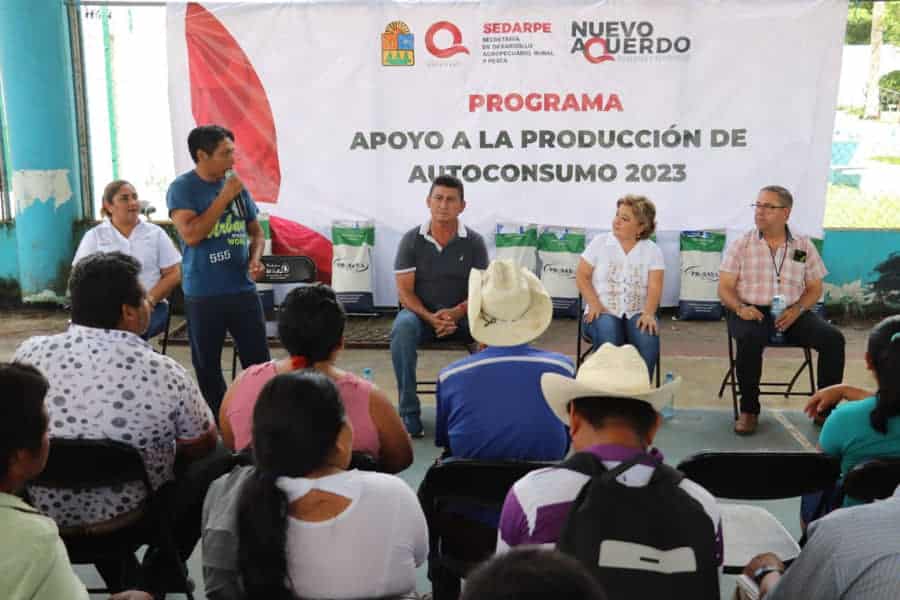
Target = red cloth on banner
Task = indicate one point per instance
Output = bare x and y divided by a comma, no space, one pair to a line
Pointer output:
226,91
290,239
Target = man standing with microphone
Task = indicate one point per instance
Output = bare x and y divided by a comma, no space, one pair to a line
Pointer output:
222,243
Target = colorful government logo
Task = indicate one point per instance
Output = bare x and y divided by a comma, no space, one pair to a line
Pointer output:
397,45
455,48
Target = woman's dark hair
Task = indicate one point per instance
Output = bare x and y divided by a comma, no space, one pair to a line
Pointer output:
100,284
884,352
207,138
296,423
532,574
596,410
311,322
23,421
109,192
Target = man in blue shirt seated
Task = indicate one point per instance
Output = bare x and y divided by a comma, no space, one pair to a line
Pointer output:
490,404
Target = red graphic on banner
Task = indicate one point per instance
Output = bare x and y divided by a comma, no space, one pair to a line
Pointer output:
292,238
226,90
599,58
456,34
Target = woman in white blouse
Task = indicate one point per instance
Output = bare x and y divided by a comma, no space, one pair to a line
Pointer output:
620,277
307,527
122,230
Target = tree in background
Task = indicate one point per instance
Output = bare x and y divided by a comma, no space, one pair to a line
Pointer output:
859,23
873,95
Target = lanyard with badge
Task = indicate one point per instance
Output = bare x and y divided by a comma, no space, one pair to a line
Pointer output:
778,267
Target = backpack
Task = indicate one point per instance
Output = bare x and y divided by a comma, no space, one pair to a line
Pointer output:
655,541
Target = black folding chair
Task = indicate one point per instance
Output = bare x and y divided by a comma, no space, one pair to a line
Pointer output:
429,386
787,387
873,480
583,338
281,269
83,464
458,543
750,530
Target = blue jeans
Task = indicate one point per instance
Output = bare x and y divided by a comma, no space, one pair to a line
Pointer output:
608,328
157,320
408,333
208,318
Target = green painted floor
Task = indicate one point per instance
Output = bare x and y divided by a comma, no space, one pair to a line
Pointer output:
689,431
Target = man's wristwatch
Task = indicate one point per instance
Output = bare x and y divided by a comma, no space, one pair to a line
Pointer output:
760,573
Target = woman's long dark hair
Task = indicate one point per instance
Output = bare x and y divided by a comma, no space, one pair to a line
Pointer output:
884,352
296,422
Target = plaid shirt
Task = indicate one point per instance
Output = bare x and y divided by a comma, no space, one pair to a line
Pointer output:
750,258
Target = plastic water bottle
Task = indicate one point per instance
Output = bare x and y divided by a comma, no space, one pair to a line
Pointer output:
668,409
368,375
778,307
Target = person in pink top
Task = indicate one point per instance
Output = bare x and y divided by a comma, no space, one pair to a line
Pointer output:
311,327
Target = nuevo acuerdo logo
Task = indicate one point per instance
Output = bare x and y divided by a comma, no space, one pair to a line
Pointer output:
456,46
397,45
604,41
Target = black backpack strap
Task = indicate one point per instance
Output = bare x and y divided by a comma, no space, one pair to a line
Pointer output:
588,464
666,475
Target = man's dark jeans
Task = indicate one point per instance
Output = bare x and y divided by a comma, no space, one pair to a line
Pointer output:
809,329
208,318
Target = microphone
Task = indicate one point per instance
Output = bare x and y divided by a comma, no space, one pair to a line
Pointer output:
238,200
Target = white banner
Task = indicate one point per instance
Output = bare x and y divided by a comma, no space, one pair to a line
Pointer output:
548,111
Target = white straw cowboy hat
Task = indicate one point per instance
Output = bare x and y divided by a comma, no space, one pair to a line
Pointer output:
508,305
612,372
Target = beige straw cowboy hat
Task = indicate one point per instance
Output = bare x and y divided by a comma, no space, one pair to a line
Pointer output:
508,305
610,372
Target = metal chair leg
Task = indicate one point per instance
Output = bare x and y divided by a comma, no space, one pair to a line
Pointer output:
732,376
165,340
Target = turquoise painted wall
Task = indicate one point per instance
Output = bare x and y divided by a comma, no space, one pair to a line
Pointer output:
39,122
861,268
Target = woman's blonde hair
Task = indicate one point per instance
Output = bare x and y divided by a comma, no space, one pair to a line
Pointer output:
109,192
643,210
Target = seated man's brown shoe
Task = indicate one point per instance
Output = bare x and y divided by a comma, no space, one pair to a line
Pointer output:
746,424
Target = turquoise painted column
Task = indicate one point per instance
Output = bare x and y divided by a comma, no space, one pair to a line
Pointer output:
39,114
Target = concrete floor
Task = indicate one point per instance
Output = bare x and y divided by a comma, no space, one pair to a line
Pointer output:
695,350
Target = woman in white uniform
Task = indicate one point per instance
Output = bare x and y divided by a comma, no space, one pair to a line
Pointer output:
122,230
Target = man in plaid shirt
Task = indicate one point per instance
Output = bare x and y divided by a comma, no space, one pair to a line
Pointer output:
766,261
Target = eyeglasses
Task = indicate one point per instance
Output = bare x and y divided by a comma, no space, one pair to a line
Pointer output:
765,206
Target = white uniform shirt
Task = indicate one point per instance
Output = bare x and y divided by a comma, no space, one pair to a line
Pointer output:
371,550
148,243
620,279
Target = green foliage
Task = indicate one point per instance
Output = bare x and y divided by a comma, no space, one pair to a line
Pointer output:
890,81
859,23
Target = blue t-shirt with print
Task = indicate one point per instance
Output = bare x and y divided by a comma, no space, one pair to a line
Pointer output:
217,265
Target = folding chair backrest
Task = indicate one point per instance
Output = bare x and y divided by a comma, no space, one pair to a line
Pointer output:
873,480
288,269
761,475
464,485
86,463
474,481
